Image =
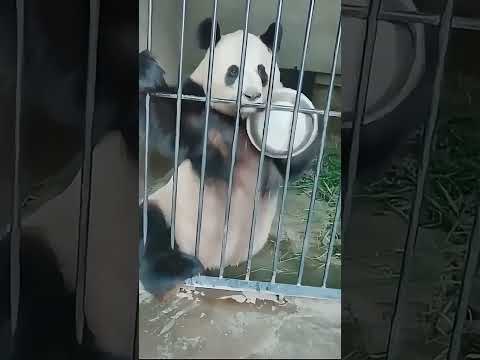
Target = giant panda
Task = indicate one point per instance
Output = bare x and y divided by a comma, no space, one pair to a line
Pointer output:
161,267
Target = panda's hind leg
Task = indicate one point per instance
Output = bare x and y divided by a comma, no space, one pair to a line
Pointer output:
161,267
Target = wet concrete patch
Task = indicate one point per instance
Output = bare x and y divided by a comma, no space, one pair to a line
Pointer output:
219,324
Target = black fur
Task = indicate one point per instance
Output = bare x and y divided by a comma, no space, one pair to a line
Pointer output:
231,75
163,122
204,34
151,74
161,268
268,37
263,74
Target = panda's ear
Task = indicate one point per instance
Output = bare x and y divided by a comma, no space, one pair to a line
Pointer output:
268,37
151,74
204,33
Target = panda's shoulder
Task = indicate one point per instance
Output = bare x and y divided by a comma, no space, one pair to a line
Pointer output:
192,88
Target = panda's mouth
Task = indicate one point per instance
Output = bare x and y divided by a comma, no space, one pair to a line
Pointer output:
247,111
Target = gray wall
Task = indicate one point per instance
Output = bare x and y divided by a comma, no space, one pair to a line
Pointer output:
165,30
166,26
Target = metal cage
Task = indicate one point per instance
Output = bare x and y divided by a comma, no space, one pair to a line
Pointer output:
246,284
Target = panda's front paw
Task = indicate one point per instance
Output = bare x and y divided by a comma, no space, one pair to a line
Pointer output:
168,270
192,266
151,74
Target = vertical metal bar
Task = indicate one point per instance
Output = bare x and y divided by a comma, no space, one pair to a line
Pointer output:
444,35
292,135
86,170
15,231
135,354
326,117
177,129
361,103
145,169
149,25
205,134
471,263
264,137
333,236
147,133
235,136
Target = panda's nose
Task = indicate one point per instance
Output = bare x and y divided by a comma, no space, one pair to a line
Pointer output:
252,95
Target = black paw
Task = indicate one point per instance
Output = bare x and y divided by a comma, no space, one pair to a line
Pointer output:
151,74
168,271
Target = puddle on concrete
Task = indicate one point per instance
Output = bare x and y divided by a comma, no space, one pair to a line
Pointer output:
215,324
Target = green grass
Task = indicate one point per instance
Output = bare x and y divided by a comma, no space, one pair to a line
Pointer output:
449,204
328,181
453,177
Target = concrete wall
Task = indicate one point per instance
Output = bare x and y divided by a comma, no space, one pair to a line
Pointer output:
165,30
166,27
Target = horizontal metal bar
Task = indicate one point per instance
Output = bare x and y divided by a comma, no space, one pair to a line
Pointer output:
458,22
260,287
465,23
396,16
336,114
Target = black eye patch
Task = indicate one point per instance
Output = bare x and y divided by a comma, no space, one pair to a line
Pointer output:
263,74
231,75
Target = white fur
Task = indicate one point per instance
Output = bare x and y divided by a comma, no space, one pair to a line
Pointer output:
228,52
214,205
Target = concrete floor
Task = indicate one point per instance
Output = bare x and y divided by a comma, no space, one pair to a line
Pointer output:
214,324
374,270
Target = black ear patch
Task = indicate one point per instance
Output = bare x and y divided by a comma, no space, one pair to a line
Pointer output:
204,34
151,74
268,37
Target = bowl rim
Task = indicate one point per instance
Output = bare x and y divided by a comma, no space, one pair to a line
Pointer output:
313,116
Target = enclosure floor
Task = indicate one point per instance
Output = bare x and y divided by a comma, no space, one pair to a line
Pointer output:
374,270
215,324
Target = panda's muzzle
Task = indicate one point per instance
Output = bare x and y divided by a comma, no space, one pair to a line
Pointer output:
252,95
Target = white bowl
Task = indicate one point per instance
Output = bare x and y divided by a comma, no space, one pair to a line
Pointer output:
280,125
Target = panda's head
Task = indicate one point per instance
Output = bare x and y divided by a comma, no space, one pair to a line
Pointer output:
226,66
